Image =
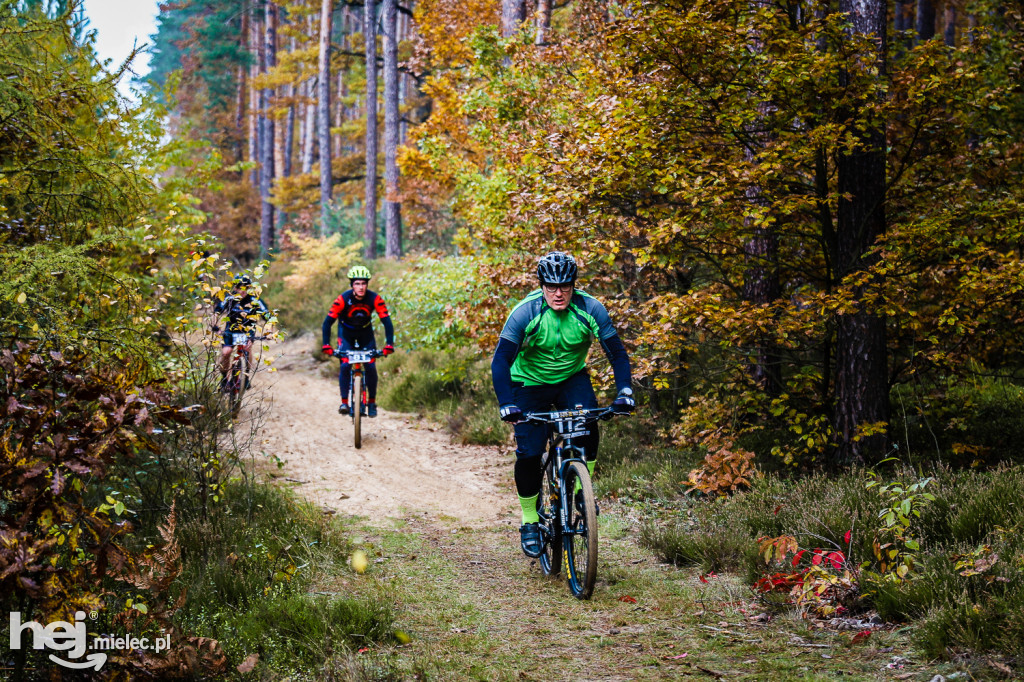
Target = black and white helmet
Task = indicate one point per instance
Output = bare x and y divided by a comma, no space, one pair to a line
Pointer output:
557,268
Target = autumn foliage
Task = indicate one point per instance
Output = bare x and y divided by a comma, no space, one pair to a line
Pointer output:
696,178
66,541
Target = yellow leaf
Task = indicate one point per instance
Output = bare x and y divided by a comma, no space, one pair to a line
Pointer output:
22,298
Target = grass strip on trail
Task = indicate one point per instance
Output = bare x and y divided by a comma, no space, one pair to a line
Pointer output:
475,608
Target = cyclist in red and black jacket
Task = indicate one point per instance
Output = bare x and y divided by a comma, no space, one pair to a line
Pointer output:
353,311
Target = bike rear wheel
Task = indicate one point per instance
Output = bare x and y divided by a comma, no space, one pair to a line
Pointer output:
548,510
357,408
580,543
236,385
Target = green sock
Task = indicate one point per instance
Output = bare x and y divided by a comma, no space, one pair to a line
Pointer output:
529,505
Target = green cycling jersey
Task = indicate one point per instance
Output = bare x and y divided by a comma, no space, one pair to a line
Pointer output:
553,345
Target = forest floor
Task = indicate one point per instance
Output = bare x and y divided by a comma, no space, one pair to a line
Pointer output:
439,521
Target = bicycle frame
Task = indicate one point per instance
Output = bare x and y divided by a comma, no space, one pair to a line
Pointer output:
567,426
356,359
240,368
568,527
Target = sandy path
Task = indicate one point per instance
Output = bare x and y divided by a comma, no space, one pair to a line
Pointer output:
406,464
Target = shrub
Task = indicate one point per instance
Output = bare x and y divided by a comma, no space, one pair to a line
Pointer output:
453,387
433,297
712,546
963,425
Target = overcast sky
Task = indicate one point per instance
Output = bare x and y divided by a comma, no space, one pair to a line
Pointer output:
118,25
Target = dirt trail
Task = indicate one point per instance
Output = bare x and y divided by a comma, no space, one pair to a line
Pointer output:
406,464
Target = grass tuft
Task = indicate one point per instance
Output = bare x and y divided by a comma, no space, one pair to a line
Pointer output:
252,571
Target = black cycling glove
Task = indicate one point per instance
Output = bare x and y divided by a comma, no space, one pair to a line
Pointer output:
510,413
624,403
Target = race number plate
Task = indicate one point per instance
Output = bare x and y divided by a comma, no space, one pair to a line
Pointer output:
360,356
239,339
571,427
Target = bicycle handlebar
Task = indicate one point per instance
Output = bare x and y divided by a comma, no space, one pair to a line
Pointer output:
250,339
374,353
590,414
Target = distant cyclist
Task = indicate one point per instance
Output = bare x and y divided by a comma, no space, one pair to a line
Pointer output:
353,311
540,364
243,309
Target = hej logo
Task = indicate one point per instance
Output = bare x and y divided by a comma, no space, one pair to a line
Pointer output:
59,636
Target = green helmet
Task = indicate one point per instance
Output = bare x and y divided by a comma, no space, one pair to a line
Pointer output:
359,272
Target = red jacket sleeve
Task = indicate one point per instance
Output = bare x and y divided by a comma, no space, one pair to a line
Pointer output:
380,307
337,308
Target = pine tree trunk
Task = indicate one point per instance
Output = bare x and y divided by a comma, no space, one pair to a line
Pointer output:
925,20
289,131
950,33
513,14
240,123
267,139
370,35
543,22
324,114
301,104
862,395
309,141
761,280
276,92
403,82
339,115
288,139
254,97
392,206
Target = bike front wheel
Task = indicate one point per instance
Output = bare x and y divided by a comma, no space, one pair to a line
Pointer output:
579,543
357,408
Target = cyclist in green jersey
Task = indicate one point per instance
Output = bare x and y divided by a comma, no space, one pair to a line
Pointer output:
540,364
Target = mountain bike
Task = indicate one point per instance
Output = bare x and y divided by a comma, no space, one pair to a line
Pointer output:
566,505
356,386
238,376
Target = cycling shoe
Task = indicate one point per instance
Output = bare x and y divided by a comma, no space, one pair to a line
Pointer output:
529,539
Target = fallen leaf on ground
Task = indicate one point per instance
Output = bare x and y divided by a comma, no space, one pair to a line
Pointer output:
626,598
860,636
1000,667
672,658
248,664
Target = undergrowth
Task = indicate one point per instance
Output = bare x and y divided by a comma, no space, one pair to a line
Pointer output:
258,573
966,586
452,387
